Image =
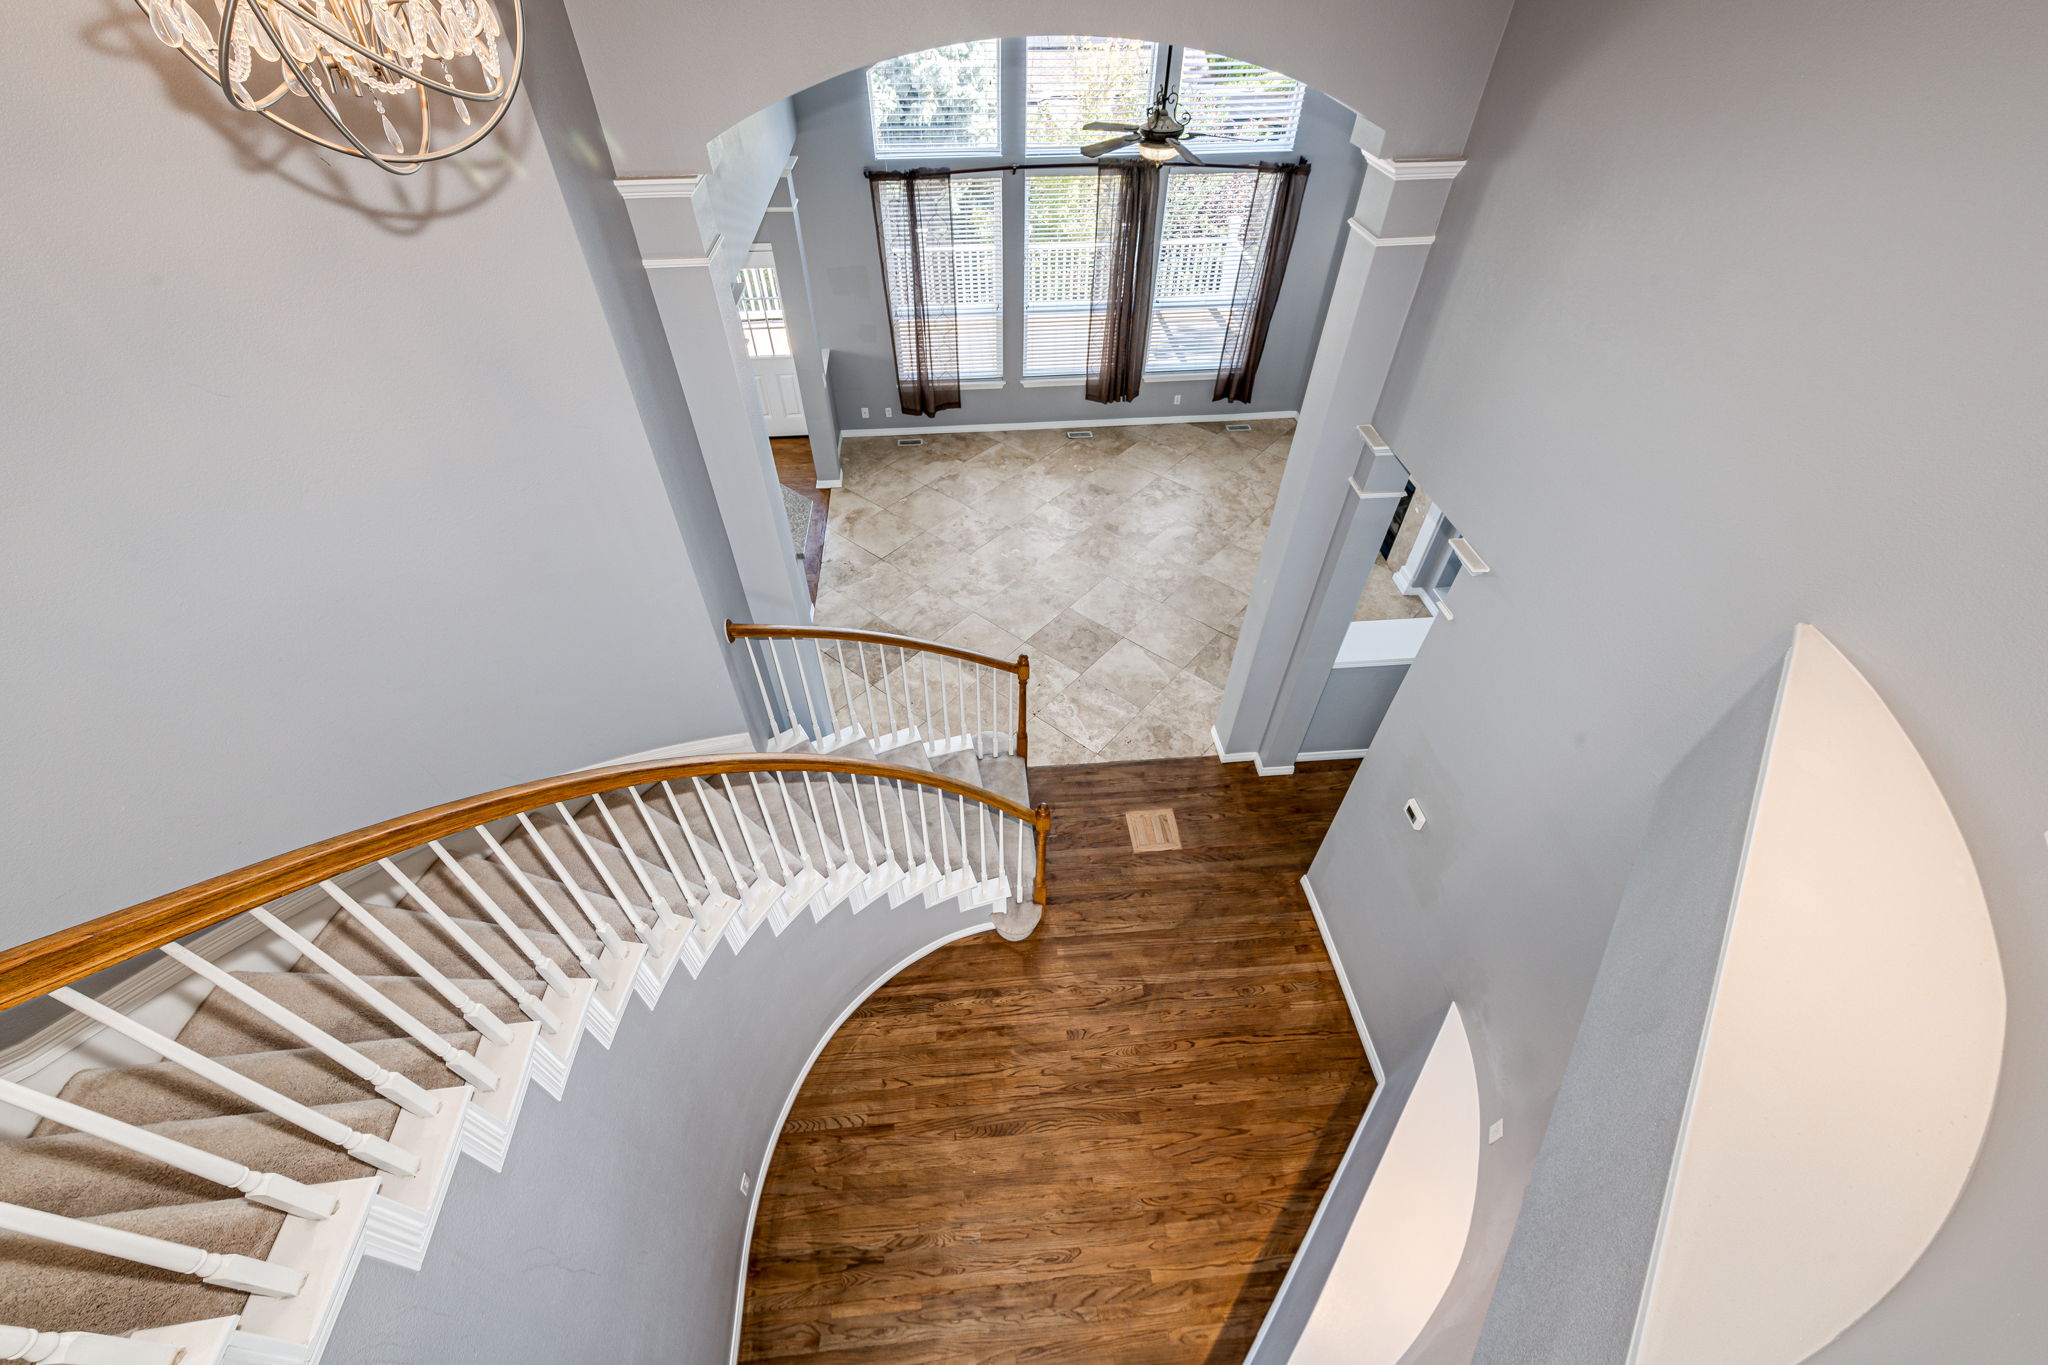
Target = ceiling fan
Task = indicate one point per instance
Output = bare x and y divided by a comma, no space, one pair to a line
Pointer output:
1158,138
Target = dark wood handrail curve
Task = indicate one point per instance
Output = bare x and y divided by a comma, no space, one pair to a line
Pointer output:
70,955
741,630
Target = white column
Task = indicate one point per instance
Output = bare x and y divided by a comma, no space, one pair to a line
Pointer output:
1279,667
691,271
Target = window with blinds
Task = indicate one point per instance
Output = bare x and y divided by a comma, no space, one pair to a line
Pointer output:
1070,79
1201,242
1237,107
1059,271
942,101
978,273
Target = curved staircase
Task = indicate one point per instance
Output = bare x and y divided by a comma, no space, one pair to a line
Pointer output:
200,1156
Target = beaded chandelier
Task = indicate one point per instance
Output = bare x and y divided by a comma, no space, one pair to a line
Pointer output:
396,82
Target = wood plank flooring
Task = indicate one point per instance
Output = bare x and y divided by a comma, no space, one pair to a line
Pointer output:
1102,1144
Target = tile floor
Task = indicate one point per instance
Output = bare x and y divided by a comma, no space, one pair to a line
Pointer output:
1122,565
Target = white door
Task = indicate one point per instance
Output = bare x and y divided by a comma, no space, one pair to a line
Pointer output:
759,295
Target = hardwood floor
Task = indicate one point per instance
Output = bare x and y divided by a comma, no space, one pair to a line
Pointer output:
1101,1144
795,469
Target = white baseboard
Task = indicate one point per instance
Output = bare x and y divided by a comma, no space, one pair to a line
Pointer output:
829,483
1321,754
1076,423
789,1102
692,748
1251,756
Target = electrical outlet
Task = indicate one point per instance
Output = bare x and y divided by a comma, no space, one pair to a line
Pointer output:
1413,810
888,412
746,1182
1493,1134
863,412
1176,400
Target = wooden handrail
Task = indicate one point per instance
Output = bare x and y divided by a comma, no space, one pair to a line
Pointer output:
741,630
70,955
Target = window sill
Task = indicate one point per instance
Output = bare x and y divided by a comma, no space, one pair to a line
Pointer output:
1150,377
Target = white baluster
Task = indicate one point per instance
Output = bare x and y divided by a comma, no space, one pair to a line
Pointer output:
817,820
609,942
364,1147
446,1053
529,1004
888,687
932,729
604,874
780,782
462,1002
386,1082
845,839
229,1271
774,839
267,1188
822,723
656,901
782,683
668,856
83,1348
544,966
696,845
740,874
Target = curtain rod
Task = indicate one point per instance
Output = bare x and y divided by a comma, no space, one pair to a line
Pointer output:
1015,166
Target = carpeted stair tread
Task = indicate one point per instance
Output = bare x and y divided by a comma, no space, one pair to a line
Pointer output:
646,854
1005,775
163,1092
83,1177
713,827
223,1026
54,1288
575,860
791,823
449,893
357,949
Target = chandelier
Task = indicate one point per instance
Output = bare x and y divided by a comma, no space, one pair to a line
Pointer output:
396,82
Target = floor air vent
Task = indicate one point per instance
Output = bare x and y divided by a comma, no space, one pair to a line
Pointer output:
1080,436
1237,426
910,440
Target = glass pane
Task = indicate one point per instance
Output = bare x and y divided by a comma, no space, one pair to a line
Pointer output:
1201,243
1237,106
1059,266
1072,79
940,100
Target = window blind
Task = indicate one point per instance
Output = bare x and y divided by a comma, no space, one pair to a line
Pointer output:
942,101
978,273
1237,107
1059,265
1071,79
1201,242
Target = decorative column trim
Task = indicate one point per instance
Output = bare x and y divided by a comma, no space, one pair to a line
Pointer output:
681,262
1377,240
660,187
1414,168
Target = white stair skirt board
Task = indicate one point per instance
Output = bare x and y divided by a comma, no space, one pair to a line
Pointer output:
556,1055
1409,1235
1852,1049
403,1215
294,1331
789,1102
487,1128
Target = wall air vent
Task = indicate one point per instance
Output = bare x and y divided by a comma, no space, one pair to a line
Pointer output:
910,440
1080,436
1237,426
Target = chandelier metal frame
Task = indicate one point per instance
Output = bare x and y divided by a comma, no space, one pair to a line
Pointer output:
315,79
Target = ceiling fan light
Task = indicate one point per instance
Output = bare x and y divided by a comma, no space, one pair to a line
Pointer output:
1158,151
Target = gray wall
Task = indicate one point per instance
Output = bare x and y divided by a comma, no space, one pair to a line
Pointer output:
1750,300
616,1230
1354,702
323,495
833,147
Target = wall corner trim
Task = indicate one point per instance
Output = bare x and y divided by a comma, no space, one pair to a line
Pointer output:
1377,240
660,187
683,262
1414,168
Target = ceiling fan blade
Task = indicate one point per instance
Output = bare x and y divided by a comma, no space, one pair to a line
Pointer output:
1185,154
1100,127
1109,144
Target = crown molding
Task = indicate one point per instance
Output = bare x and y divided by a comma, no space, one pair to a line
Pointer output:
684,262
1414,168
1377,240
660,187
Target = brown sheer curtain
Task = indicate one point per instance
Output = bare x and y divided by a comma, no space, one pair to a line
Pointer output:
1120,305
1269,225
914,228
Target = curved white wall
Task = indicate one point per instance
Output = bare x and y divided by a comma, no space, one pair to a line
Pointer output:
1846,1074
1404,1245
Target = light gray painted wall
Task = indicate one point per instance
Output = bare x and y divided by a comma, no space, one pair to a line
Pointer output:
616,1230
1719,281
313,509
834,145
1354,702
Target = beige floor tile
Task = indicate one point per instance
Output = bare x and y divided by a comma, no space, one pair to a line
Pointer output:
1175,638
927,614
1115,604
927,508
1091,715
1052,747
1049,676
1207,600
1130,671
1188,702
1212,665
1382,601
875,529
1072,639
984,637
1151,737
1025,610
